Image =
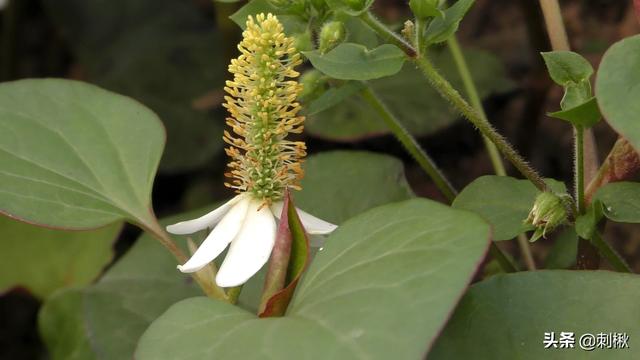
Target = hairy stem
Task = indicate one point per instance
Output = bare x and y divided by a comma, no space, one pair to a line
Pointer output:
388,35
410,144
447,91
492,150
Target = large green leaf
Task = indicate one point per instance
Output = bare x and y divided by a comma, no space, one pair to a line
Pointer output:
503,201
507,316
43,260
382,288
349,61
410,97
164,53
341,184
105,320
617,88
74,155
621,201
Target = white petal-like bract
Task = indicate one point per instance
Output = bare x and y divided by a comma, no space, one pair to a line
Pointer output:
206,221
312,224
251,249
227,229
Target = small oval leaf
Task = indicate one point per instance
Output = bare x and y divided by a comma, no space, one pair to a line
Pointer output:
349,61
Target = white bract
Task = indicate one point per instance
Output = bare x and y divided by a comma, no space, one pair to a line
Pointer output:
249,227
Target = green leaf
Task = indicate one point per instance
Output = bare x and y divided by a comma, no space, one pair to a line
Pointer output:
503,201
43,260
564,250
586,114
349,7
74,155
349,61
617,88
105,320
586,224
576,94
566,67
400,266
341,184
411,98
507,316
334,96
441,28
163,53
621,201
292,24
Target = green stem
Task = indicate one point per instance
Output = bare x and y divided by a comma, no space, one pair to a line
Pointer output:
474,99
502,259
208,286
610,254
452,95
389,35
234,293
579,168
410,144
446,90
492,150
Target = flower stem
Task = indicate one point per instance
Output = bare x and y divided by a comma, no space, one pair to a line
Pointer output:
610,254
579,168
410,144
233,294
208,286
505,263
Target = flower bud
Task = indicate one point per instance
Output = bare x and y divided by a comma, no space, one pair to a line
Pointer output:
409,31
312,84
331,34
423,9
302,41
548,212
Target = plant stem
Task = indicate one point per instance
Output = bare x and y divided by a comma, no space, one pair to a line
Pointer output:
502,259
610,254
579,168
492,150
208,286
410,144
449,93
474,99
234,293
389,35
555,25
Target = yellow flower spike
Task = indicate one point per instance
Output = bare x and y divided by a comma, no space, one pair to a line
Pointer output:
263,112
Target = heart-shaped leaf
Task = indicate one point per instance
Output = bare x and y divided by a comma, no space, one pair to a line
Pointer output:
105,320
617,88
566,67
503,201
349,61
381,288
173,65
43,260
341,184
74,155
441,28
410,97
586,114
621,201
507,316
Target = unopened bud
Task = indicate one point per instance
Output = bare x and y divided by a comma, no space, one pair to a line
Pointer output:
548,212
423,9
409,31
302,41
312,84
331,34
